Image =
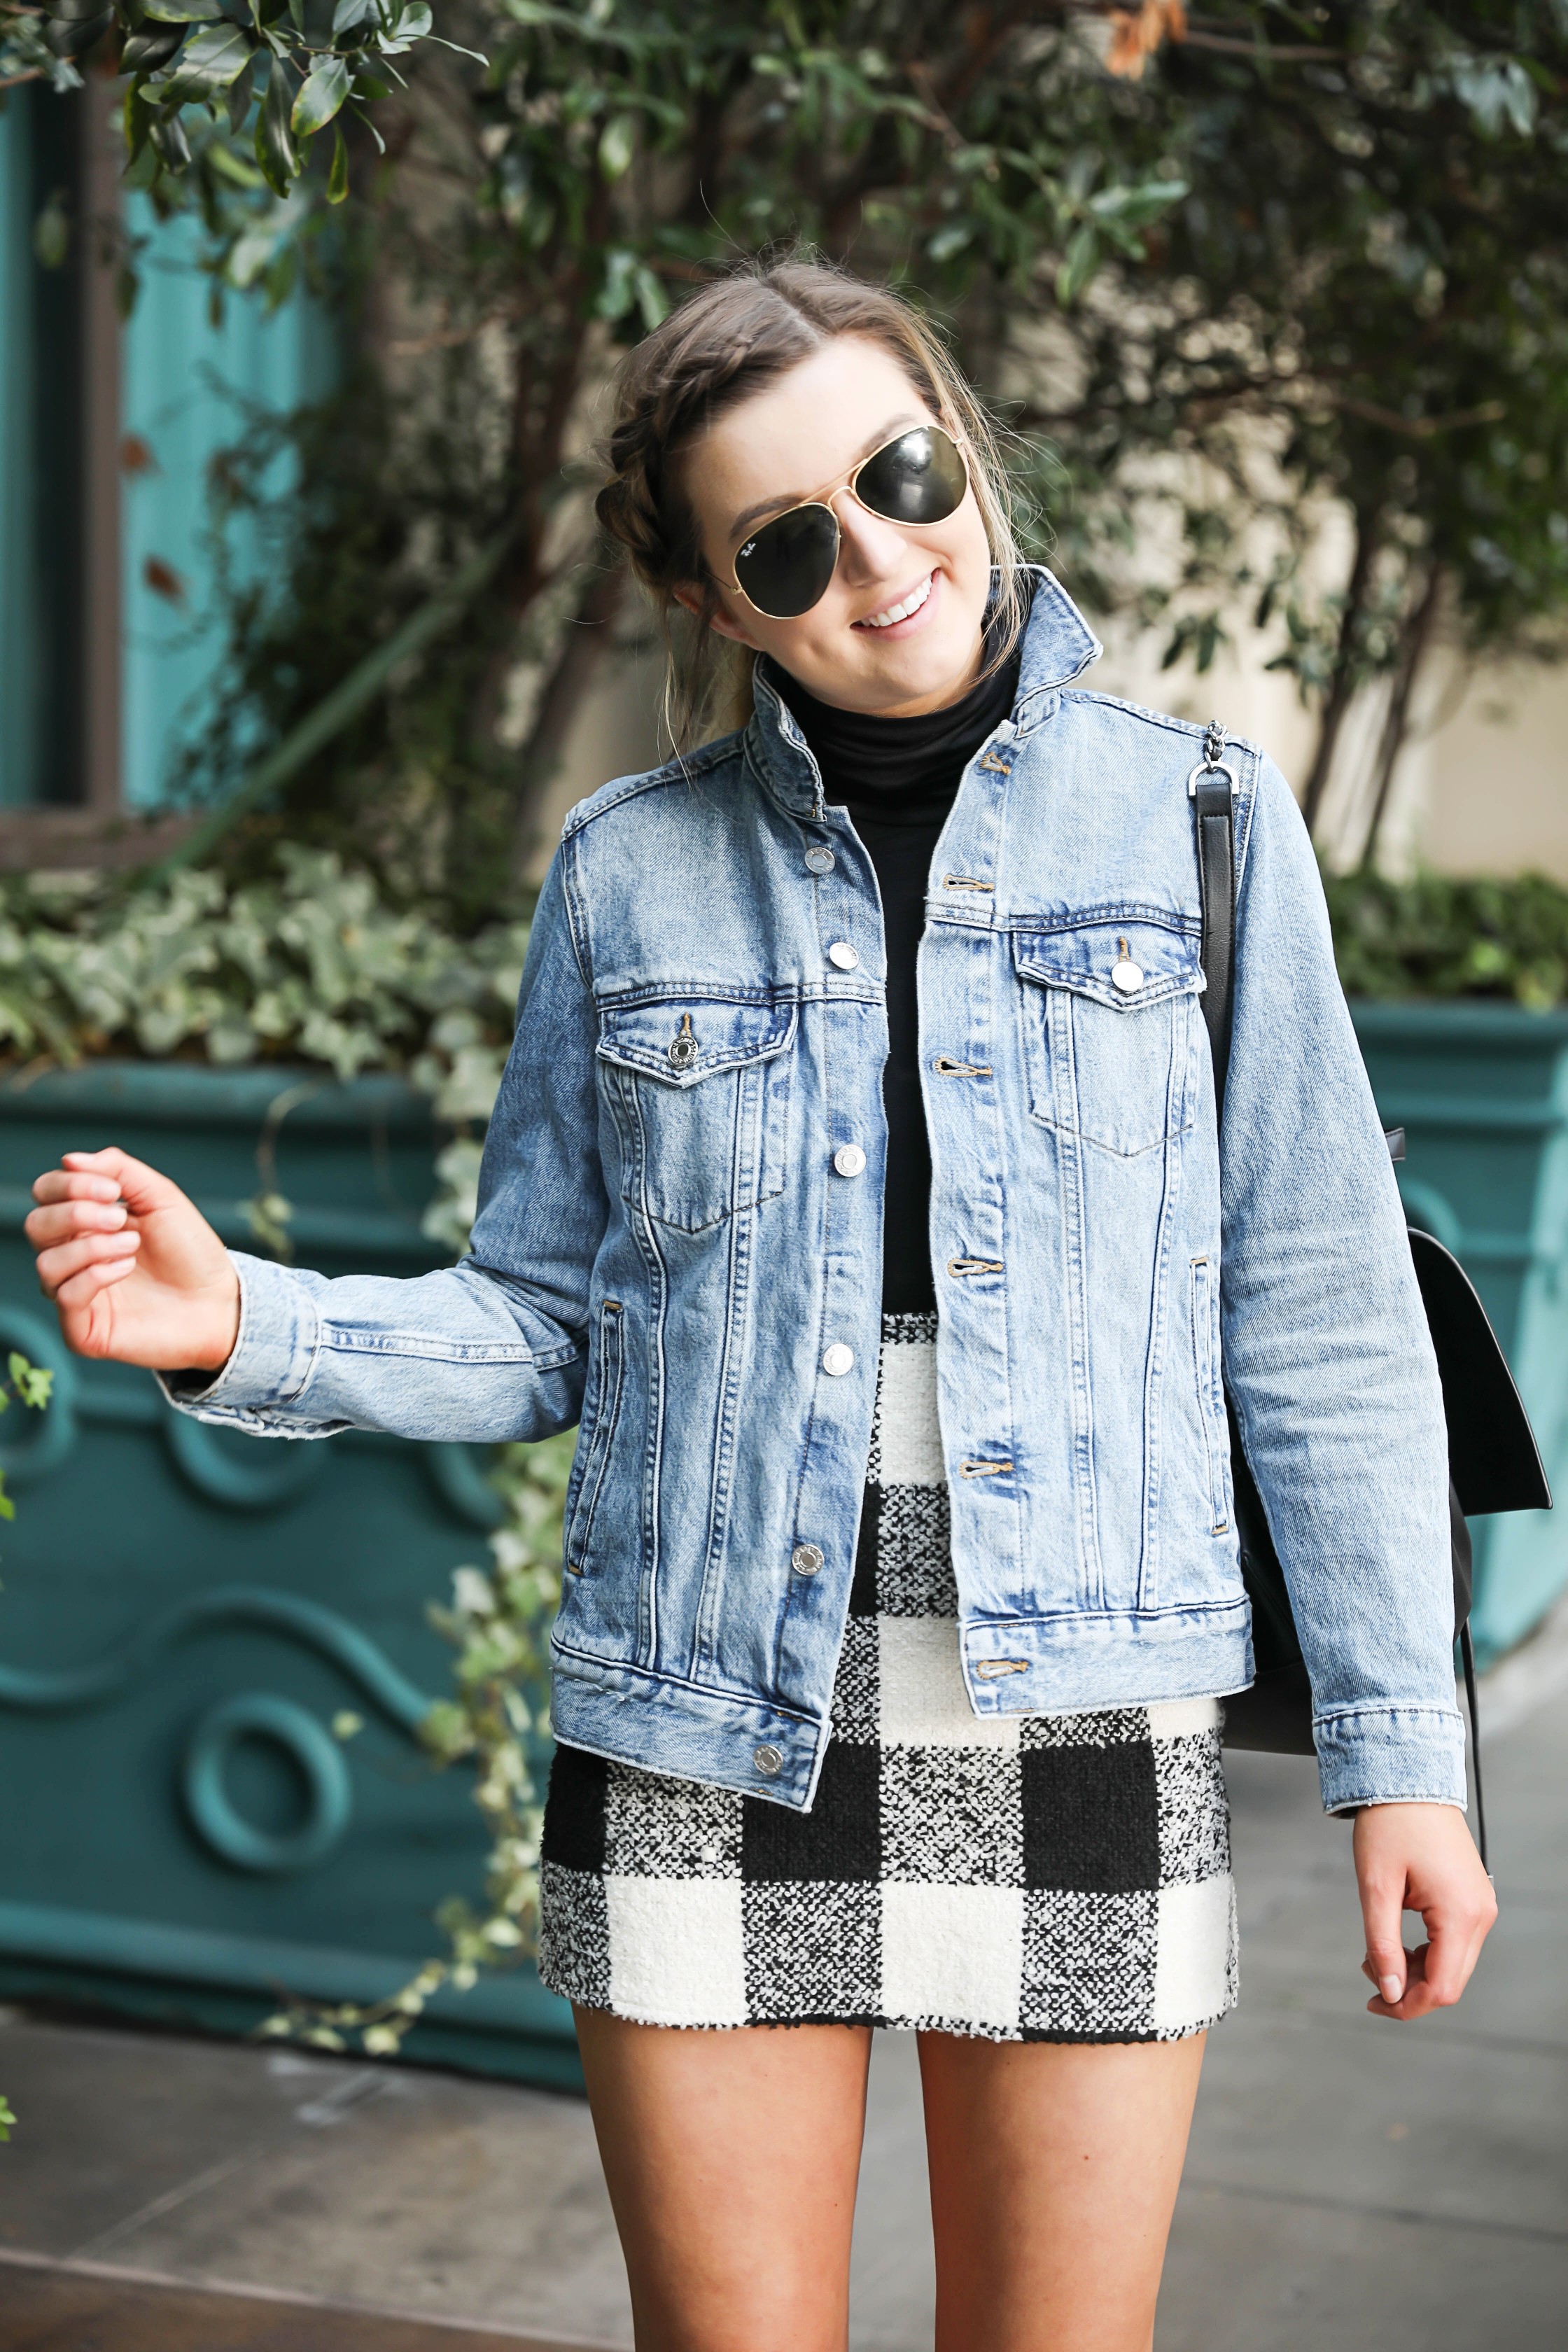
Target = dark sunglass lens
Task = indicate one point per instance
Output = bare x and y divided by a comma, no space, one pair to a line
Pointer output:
918,477
785,568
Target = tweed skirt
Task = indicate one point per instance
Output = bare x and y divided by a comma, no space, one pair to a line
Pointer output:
1035,1878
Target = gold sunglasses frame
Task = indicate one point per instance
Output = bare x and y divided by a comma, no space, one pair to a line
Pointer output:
847,482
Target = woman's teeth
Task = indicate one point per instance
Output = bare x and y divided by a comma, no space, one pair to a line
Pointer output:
891,613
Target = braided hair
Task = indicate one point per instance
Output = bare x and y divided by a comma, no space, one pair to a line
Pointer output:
730,339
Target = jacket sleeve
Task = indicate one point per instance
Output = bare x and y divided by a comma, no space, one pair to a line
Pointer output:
1328,1357
490,1348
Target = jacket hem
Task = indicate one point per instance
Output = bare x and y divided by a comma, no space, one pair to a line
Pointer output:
659,1724
1105,1658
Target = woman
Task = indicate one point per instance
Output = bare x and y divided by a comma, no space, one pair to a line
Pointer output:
855,1179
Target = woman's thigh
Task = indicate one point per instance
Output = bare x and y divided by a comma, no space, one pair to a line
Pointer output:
731,2156
1054,2170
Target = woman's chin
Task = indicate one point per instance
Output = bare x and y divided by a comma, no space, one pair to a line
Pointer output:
930,670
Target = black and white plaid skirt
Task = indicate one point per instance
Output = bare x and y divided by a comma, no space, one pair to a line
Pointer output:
1038,1878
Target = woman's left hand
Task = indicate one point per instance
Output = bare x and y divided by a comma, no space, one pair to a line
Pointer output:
1420,1858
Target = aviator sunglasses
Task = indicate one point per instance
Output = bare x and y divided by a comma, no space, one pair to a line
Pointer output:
918,477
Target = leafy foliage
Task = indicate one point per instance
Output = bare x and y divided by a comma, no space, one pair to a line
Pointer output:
499,1622
532,219
201,74
1436,937
1229,277
1362,307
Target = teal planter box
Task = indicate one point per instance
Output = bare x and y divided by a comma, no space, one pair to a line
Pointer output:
1481,1092
185,1611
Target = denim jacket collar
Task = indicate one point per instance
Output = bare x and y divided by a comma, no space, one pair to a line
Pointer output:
1059,646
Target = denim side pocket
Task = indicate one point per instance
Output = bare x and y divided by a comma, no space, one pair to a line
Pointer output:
606,1411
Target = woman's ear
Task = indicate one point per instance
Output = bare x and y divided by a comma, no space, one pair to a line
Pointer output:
707,609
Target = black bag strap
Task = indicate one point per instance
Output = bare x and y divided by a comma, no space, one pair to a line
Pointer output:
1211,788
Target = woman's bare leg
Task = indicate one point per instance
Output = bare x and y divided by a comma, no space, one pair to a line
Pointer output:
731,2156
1054,2170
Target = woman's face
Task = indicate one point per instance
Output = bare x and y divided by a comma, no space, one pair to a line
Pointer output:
792,443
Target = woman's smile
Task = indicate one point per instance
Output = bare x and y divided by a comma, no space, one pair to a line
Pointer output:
905,613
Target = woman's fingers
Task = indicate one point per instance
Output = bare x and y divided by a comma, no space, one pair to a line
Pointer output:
74,1185
56,1266
1420,1857
1383,1914
142,1188
84,1287
61,1220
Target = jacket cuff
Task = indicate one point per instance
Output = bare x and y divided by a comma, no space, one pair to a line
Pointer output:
1391,1755
274,1354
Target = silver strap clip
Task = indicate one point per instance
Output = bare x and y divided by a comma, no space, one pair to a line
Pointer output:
1211,764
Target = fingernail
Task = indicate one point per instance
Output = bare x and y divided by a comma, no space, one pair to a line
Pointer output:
1390,1989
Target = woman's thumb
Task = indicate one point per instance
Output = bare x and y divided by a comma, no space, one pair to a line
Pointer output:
1383,1912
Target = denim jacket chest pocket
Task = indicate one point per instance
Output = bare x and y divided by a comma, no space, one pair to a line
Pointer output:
1109,1015
699,1087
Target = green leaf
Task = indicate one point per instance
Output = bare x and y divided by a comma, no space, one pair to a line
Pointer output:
7,1508
349,13
147,52
324,89
137,121
1079,264
182,12
173,149
209,61
241,89
617,145
32,1382
951,240
274,149
653,302
7,2118
1135,207
52,232
338,178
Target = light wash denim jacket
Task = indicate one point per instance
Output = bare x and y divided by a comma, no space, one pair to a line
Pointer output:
667,1250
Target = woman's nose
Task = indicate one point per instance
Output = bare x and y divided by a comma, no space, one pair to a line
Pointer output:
869,548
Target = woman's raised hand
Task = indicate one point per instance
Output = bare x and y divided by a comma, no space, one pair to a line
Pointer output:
135,1269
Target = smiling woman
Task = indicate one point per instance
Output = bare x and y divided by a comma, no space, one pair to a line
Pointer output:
857,1185
798,464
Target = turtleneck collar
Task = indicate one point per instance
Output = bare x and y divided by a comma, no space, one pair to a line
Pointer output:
899,769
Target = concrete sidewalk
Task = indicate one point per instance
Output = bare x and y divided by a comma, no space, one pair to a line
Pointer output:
1350,2183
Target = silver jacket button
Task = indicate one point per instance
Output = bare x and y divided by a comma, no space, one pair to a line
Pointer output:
838,1359
842,954
806,1558
1127,976
849,1159
768,1761
819,861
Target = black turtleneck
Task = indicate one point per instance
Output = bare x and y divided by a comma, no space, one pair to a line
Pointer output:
898,778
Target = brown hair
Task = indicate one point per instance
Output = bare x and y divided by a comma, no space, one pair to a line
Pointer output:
721,345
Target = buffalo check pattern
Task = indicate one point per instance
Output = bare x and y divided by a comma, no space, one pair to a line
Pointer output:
1050,1878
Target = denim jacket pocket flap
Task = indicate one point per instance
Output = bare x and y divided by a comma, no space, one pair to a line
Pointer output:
1125,961
682,1039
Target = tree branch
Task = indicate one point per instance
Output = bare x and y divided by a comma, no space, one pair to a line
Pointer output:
583,645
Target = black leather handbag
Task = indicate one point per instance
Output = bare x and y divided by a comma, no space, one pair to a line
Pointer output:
1493,1461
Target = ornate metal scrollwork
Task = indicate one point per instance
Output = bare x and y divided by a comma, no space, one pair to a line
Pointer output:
315,1755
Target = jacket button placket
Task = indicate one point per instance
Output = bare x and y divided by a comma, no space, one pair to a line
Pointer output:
960,1022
